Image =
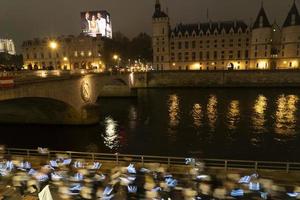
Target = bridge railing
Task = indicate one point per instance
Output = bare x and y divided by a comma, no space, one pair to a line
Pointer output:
170,161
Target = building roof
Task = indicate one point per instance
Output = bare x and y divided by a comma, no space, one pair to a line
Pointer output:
262,20
211,27
293,18
158,13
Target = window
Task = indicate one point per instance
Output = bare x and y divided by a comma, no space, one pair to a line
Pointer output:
179,56
34,56
27,56
193,44
186,44
230,54
223,54
186,57
201,55
255,54
162,58
293,22
49,55
42,55
261,21
246,54
172,56
179,45
215,54
193,56
239,54
207,55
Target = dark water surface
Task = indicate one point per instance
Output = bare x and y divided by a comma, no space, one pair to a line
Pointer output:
260,124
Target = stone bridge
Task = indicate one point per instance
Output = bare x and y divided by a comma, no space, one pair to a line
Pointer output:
59,97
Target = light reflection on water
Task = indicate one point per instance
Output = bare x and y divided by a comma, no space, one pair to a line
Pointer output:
111,137
212,112
285,122
258,117
197,115
233,115
181,121
174,117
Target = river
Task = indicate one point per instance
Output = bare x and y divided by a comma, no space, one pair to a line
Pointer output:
256,124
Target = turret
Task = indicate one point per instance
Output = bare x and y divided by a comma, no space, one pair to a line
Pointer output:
261,42
290,39
160,38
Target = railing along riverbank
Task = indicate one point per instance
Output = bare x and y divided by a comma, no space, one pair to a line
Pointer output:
169,161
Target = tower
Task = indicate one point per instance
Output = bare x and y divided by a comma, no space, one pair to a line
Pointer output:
290,40
261,41
160,38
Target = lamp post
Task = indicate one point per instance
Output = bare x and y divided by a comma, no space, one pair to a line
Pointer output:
53,46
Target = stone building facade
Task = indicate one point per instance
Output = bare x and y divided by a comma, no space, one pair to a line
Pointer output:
64,52
226,45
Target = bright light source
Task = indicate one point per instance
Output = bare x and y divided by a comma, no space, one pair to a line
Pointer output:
115,57
53,45
65,59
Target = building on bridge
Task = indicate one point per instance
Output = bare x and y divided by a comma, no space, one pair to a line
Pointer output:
7,46
64,52
226,44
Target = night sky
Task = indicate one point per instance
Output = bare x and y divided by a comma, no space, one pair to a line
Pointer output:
26,19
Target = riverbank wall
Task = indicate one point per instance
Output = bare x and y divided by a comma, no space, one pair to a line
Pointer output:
247,78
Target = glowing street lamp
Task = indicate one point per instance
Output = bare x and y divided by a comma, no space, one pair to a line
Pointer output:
115,57
53,45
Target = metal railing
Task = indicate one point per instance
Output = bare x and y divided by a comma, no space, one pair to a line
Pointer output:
169,161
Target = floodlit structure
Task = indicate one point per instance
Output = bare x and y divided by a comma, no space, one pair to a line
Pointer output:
64,52
7,46
225,45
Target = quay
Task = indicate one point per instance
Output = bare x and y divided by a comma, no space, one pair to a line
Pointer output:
284,172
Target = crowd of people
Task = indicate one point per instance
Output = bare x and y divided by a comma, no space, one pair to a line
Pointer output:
64,178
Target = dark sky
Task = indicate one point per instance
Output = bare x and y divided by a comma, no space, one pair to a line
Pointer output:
26,19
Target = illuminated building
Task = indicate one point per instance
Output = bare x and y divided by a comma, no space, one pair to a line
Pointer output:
7,46
64,52
226,45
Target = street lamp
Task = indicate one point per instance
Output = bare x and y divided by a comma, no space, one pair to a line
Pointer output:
115,57
53,46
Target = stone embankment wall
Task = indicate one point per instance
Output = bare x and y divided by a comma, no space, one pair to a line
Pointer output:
257,78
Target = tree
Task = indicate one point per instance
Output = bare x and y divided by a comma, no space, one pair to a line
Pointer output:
139,48
10,62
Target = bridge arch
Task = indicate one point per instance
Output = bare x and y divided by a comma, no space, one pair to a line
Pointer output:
38,110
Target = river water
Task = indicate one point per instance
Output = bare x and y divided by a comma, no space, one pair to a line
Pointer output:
259,124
